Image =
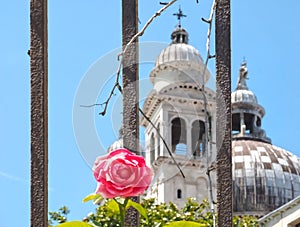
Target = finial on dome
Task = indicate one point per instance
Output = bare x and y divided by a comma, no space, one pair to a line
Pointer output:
179,35
179,15
242,85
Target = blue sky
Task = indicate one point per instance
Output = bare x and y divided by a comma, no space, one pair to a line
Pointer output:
83,34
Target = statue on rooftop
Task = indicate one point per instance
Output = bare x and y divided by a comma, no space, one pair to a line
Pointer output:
243,77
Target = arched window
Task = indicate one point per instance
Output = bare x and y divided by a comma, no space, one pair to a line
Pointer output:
198,138
179,194
152,148
178,132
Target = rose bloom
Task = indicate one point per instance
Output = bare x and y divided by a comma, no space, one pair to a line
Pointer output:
121,173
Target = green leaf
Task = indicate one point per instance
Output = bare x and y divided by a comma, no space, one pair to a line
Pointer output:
113,205
138,207
98,200
92,196
185,224
75,224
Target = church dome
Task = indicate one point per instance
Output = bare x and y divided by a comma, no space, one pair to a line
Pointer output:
179,62
264,177
179,52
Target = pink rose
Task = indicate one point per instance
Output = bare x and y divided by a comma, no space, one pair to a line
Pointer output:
121,173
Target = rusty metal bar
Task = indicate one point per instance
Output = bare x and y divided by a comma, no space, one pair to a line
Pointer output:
223,92
39,113
130,90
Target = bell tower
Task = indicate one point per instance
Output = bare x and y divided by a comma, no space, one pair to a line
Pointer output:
177,107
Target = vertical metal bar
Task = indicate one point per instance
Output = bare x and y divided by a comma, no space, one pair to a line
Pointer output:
223,90
39,113
130,90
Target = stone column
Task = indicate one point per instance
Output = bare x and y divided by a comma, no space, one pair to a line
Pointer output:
189,146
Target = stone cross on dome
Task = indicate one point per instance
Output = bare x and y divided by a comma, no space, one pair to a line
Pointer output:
179,15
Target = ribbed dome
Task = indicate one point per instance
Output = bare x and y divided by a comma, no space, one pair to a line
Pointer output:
264,176
179,62
245,96
179,52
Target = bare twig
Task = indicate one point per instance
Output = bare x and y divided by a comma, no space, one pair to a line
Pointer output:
112,92
92,105
209,21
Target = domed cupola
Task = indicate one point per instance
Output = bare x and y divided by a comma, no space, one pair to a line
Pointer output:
264,176
178,63
246,112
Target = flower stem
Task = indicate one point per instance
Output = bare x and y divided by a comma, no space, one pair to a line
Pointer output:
122,209
122,214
